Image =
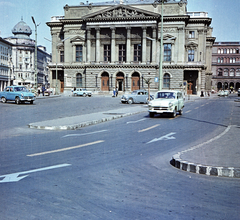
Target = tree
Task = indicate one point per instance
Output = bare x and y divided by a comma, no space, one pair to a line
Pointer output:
148,82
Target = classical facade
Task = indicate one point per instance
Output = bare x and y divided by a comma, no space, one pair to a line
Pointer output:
226,65
101,46
6,75
23,54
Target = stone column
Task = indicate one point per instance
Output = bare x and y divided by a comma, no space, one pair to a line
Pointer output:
128,44
97,45
113,46
88,45
144,46
154,45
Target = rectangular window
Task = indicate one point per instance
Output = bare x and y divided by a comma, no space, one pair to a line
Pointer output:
61,56
191,34
137,52
79,53
107,53
190,55
167,52
122,53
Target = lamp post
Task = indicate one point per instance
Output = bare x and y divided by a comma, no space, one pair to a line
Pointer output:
35,55
56,60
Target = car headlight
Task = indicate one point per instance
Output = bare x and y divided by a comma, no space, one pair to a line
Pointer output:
170,105
22,94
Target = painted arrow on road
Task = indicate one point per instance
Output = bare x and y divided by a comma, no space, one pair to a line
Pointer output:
14,177
165,137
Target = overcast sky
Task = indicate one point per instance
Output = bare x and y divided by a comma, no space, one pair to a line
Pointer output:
225,16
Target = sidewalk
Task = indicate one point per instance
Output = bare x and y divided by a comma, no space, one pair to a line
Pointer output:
216,157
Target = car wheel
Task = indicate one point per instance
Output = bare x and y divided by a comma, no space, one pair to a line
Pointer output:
174,113
84,94
151,114
181,112
130,101
4,100
17,100
31,102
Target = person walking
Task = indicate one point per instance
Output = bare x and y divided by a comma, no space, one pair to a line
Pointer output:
116,91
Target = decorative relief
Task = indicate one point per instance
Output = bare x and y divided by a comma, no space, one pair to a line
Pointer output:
121,13
169,30
81,32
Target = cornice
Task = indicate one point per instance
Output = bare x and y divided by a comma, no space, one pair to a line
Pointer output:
206,21
54,24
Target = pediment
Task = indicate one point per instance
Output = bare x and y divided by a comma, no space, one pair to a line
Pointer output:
77,39
168,37
191,45
121,12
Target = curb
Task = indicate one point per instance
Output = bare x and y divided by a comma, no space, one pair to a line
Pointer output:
204,169
82,124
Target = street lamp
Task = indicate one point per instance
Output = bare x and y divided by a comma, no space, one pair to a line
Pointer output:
56,59
35,61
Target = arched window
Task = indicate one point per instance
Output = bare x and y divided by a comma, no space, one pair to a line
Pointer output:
218,60
220,72
238,72
79,80
166,81
231,72
225,72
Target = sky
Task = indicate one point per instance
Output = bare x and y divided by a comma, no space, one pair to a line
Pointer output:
225,16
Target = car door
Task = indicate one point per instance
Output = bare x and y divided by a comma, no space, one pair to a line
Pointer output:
180,100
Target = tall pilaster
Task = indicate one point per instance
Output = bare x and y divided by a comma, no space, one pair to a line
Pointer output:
154,45
128,44
144,46
88,45
113,46
97,45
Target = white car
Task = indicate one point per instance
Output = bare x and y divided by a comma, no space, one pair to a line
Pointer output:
166,101
82,92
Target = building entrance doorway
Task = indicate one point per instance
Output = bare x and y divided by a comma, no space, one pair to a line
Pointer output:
135,81
120,82
189,88
105,82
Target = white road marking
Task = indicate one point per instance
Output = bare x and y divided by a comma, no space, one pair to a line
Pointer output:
188,111
163,138
74,135
146,129
130,122
196,107
14,176
65,149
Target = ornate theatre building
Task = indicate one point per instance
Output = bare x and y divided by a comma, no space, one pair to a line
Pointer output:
101,46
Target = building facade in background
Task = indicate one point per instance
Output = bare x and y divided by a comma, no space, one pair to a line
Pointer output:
226,65
6,66
23,52
102,46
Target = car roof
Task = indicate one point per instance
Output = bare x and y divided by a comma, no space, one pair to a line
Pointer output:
168,90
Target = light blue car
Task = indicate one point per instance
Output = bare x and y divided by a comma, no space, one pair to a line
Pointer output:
82,92
19,94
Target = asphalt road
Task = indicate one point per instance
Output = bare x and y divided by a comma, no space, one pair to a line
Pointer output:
114,170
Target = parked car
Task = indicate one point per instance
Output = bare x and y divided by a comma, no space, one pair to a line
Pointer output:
19,94
82,92
239,92
167,101
226,92
137,96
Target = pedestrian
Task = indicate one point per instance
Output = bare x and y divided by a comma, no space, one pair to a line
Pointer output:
43,89
39,91
116,91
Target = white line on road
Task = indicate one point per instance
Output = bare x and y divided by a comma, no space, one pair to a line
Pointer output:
75,135
188,111
65,149
165,137
131,122
14,176
146,129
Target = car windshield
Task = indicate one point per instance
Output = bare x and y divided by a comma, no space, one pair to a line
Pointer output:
165,95
21,89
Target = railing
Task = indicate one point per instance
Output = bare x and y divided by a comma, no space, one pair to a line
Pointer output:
56,18
197,14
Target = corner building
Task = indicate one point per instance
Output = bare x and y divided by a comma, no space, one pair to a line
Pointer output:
101,46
